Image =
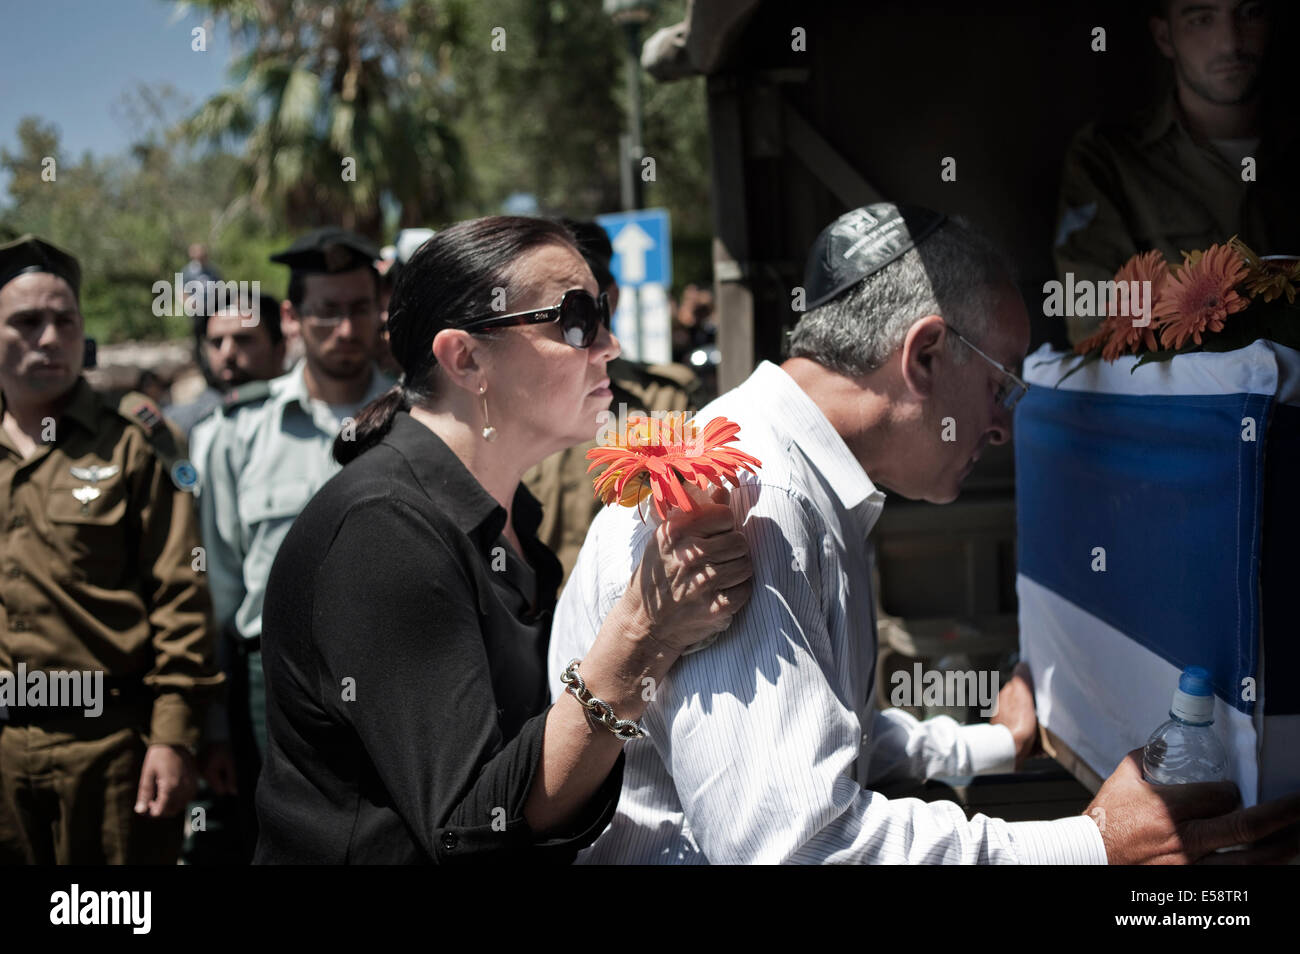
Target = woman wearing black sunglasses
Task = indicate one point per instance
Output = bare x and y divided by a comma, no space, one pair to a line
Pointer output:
408,611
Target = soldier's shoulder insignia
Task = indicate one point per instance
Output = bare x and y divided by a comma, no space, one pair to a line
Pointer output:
245,395
184,476
141,409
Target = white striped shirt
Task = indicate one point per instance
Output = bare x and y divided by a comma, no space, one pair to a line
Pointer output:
756,751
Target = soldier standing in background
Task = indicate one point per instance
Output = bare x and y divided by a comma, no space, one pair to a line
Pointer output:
232,348
264,455
236,348
98,555
1215,157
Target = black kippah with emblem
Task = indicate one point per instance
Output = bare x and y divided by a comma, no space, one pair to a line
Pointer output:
861,243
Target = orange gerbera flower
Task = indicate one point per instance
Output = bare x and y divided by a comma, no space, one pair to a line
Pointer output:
655,454
1118,335
1200,296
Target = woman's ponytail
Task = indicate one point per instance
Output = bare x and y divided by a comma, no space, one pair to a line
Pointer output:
374,421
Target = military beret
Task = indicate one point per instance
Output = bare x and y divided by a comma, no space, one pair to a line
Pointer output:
861,243
328,250
31,254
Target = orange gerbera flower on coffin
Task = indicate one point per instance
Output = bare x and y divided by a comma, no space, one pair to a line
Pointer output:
1117,335
654,455
1200,296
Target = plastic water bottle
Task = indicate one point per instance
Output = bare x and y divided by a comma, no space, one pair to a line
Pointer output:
1186,749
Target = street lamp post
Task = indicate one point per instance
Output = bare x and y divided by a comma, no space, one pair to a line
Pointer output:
631,15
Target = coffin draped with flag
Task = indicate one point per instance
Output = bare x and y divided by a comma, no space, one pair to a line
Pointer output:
1158,513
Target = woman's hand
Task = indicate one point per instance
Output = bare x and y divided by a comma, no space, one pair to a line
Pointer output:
694,576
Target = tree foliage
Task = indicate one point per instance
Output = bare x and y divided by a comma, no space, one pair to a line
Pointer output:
338,106
129,219
448,107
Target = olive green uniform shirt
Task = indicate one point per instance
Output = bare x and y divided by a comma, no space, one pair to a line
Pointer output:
1151,184
97,566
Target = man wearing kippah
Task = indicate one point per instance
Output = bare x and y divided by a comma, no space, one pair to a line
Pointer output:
766,746
106,658
264,455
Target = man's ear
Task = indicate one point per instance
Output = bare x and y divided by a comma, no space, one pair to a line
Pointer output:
1160,33
290,326
921,348
457,355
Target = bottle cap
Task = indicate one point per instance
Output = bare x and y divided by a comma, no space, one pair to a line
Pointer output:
1194,697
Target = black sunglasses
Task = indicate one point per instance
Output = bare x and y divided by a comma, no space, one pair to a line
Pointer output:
580,317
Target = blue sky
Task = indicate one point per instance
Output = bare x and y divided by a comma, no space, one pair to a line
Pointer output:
70,62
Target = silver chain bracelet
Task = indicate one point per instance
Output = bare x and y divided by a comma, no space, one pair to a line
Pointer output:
598,710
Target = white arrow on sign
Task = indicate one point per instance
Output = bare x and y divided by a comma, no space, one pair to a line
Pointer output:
631,244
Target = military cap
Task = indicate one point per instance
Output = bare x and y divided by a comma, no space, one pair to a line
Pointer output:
327,251
861,243
31,254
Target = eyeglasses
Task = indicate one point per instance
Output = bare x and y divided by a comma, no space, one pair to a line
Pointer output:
1012,389
332,315
580,317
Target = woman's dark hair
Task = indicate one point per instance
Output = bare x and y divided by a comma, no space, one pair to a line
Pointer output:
448,282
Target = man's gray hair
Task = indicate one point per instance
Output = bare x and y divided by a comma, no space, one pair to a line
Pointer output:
955,273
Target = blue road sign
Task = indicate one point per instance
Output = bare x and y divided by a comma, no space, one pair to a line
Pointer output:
642,247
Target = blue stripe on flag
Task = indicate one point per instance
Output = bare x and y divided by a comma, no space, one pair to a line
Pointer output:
1171,491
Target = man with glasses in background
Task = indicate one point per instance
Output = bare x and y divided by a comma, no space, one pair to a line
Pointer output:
767,745
267,453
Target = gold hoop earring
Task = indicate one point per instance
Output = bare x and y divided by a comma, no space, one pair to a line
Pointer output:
489,432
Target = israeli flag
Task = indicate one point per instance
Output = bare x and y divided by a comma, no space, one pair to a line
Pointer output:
1158,512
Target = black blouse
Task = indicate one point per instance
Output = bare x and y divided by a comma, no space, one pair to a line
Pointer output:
404,646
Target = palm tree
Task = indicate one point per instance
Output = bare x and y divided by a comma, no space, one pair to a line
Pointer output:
339,111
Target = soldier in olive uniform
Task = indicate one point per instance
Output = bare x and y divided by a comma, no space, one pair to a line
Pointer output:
1213,158
99,576
266,451
561,483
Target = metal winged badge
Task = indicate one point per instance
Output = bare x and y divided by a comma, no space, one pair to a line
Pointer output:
92,475
85,495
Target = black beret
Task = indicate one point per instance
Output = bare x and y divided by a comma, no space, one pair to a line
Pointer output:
31,254
861,243
328,250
